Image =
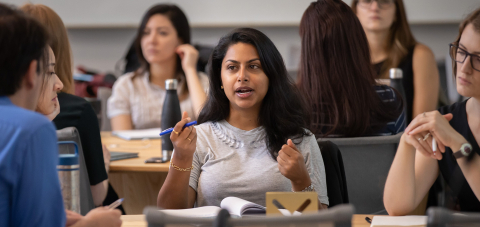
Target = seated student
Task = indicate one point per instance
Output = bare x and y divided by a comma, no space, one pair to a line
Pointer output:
29,184
392,45
75,111
336,77
456,129
252,136
164,51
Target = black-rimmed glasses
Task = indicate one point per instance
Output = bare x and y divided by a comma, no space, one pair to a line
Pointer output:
459,55
382,4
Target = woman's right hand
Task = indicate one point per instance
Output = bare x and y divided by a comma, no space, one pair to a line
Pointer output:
184,140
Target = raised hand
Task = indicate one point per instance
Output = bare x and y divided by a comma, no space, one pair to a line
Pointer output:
184,139
102,216
189,56
292,165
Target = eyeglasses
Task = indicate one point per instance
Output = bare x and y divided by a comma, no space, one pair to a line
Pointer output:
382,4
460,55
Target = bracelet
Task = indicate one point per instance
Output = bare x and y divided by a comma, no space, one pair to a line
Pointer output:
179,168
310,188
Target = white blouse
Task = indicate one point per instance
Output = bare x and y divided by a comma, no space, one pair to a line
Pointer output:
143,100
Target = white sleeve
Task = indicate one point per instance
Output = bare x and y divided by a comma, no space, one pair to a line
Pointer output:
119,102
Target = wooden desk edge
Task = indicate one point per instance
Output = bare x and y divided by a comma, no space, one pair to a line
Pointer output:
358,220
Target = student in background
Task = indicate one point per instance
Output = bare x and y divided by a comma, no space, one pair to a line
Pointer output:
243,146
76,111
337,80
392,45
456,129
164,51
29,185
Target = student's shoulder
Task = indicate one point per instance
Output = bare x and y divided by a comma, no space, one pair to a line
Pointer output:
204,128
421,51
25,121
125,79
66,99
454,108
203,79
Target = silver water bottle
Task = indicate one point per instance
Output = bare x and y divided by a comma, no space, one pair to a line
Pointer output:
69,174
171,115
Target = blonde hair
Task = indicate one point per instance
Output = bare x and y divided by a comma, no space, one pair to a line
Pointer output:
58,42
400,38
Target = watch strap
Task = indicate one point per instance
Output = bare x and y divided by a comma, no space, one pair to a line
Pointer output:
465,150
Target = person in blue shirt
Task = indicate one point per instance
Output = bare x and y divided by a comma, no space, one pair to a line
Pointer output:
29,185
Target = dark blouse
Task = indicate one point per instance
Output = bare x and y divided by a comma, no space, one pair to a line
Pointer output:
449,168
407,67
77,112
387,95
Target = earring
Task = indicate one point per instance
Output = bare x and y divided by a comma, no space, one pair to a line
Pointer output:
221,87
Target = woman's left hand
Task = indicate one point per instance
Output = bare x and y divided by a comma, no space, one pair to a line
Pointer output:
55,112
189,56
292,165
438,125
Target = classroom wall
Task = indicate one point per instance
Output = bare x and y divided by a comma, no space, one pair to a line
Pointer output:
101,48
101,31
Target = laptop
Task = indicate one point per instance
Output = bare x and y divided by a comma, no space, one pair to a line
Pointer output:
115,155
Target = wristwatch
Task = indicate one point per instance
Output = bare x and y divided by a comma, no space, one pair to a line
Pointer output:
464,151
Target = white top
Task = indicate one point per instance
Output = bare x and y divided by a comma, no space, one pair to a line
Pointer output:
143,100
229,161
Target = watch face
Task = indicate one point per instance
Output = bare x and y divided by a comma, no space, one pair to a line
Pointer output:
466,150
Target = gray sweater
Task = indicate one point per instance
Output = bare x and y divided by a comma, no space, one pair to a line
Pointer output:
232,162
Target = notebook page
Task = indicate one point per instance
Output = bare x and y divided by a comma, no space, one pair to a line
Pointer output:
413,220
153,133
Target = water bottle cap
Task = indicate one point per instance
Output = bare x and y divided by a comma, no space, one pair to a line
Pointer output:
171,84
67,159
396,73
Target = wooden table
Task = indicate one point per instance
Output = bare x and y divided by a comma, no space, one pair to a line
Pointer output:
133,179
358,220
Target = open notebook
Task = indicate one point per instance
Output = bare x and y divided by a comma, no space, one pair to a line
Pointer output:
152,133
236,207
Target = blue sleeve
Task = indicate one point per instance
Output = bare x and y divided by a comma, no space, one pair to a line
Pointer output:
37,199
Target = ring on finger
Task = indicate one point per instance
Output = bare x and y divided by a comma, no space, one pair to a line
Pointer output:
175,132
419,139
426,136
189,139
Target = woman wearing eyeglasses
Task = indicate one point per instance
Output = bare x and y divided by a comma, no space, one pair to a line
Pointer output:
456,129
392,45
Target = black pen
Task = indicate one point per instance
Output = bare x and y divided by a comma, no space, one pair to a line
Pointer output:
368,220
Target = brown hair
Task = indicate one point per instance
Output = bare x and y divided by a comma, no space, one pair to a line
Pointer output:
181,25
400,38
335,74
58,42
474,19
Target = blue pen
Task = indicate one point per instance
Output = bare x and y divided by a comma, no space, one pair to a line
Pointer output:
170,130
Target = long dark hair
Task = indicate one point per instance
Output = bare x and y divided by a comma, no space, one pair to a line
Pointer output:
282,113
336,76
179,22
400,39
